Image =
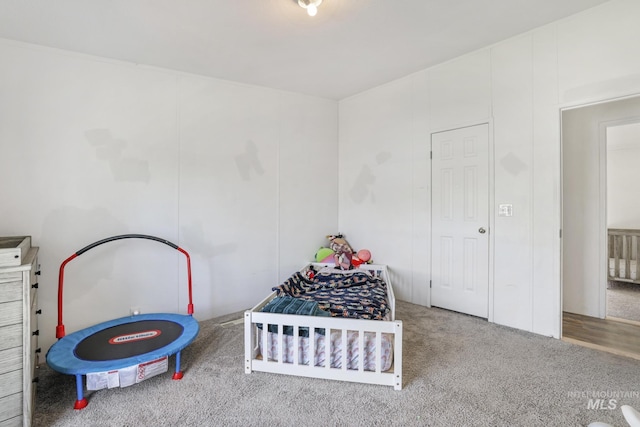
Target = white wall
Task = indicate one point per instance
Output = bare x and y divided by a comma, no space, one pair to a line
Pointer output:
518,86
243,178
380,208
623,157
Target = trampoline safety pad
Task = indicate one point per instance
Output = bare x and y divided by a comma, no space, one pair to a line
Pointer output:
123,342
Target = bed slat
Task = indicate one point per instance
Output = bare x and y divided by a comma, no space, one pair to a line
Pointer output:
312,347
361,358
296,347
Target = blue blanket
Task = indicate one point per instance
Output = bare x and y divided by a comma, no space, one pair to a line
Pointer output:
290,305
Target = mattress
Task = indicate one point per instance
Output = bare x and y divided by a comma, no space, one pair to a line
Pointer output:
336,356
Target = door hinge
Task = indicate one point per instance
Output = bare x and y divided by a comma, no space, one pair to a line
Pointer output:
561,233
429,284
431,154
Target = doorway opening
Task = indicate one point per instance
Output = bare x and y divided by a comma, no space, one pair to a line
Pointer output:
595,202
623,222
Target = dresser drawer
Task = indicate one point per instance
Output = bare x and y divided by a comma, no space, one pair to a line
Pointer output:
11,336
10,383
10,313
12,422
11,409
10,277
10,360
11,291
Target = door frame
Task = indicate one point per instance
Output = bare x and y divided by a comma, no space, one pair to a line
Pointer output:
491,213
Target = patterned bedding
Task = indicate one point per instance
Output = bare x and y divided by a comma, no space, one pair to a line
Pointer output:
356,294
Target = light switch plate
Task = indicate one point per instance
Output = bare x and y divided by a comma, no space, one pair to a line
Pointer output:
505,210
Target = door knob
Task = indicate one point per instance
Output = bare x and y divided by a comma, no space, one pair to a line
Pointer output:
481,230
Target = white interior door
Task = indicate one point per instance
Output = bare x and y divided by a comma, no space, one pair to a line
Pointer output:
460,220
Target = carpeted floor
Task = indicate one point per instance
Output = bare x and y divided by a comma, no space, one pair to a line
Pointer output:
623,300
458,371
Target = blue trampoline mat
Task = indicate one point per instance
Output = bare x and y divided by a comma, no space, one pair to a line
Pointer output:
63,355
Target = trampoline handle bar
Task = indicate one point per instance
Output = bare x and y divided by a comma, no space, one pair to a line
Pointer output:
60,333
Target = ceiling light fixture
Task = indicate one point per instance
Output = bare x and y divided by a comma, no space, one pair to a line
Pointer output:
310,5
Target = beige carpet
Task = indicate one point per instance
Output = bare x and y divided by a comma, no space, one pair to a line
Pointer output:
623,300
458,371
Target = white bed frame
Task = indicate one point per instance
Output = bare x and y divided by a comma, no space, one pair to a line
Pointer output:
255,362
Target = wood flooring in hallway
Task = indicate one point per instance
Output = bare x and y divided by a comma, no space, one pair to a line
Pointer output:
614,336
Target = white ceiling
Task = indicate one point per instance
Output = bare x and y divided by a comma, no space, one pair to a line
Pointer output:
350,46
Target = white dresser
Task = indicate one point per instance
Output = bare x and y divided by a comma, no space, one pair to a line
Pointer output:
19,352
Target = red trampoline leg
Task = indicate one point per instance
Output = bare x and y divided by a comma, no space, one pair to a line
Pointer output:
82,401
178,374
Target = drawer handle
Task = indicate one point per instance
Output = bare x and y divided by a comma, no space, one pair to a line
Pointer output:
39,311
35,285
36,332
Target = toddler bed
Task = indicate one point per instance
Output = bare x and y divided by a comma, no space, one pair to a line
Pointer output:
328,323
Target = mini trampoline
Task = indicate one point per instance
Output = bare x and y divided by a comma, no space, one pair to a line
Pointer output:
121,343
